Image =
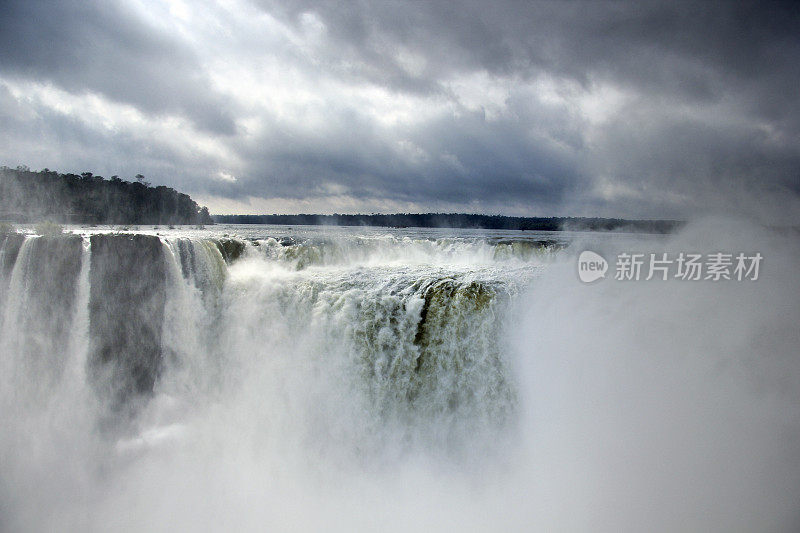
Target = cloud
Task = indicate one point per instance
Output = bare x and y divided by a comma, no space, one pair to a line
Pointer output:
690,51
74,134
585,108
105,47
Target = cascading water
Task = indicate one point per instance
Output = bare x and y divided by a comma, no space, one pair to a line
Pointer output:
41,305
257,378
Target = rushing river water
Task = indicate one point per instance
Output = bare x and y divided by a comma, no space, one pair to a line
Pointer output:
307,378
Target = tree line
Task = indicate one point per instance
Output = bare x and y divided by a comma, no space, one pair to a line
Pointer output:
459,220
29,196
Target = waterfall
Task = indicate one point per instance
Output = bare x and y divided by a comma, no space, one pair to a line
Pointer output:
417,346
296,378
40,308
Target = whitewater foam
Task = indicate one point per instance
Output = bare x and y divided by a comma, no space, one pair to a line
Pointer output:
360,379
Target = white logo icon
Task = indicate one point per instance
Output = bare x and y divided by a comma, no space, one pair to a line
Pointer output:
591,266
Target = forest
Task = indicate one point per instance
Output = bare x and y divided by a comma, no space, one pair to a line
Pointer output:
459,220
29,196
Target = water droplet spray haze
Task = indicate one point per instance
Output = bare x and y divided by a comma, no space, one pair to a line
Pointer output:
366,379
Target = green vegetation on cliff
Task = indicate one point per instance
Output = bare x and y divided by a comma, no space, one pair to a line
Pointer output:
28,196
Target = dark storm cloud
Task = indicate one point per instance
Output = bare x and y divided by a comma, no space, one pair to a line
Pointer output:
688,50
739,59
102,46
459,159
67,143
611,108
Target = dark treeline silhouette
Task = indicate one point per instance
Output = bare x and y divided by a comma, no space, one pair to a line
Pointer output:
459,220
28,196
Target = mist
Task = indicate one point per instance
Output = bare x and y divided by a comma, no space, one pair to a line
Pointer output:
164,369
667,406
363,379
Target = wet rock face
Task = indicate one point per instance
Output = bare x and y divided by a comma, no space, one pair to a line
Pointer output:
126,314
231,249
10,244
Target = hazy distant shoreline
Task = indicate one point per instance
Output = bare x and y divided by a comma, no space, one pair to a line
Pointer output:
459,221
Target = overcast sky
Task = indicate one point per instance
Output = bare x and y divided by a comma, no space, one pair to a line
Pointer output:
663,109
